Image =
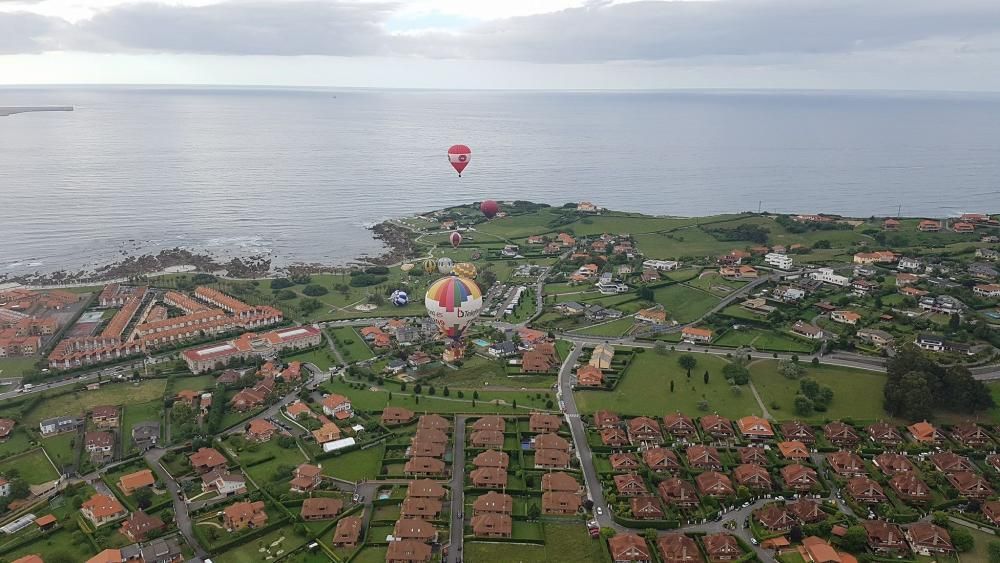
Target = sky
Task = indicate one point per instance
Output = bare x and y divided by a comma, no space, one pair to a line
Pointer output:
949,45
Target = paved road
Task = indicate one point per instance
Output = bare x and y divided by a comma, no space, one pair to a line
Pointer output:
457,493
594,490
181,516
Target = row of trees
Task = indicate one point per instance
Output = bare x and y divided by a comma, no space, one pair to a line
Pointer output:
917,387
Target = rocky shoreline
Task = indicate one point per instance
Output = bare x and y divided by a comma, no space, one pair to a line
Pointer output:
398,240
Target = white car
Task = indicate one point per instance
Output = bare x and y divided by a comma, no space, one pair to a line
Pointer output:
599,511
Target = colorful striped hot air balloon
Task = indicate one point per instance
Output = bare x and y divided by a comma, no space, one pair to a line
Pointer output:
465,270
453,303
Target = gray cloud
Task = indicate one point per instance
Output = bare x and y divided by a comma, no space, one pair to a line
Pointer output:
747,31
22,32
242,28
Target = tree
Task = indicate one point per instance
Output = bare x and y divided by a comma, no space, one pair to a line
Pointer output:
706,377
962,539
994,551
687,362
533,511
737,373
475,395
446,391
660,347
803,405
955,323
671,385
309,305
143,497
795,534
646,294
855,539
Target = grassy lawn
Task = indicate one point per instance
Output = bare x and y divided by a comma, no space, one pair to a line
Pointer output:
112,394
684,303
368,400
136,413
286,539
739,312
15,367
33,466
614,328
355,465
686,242
564,543
980,551
371,554
17,442
264,472
645,389
60,449
195,383
764,340
857,394
59,545
320,358
715,284
351,344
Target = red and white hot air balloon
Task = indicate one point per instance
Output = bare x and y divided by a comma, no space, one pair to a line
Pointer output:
459,157
455,238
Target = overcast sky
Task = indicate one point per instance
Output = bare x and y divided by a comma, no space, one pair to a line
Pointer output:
578,44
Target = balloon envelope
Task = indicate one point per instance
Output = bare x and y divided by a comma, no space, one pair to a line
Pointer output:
399,298
455,238
430,266
445,265
453,303
489,208
465,270
459,157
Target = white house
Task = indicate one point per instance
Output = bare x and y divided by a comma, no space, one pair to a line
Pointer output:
4,487
661,265
910,264
223,482
337,406
988,290
780,261
339,444
612,288
827,275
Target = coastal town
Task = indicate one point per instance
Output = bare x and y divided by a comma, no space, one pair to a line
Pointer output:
803,388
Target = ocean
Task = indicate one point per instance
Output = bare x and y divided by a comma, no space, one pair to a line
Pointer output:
298,174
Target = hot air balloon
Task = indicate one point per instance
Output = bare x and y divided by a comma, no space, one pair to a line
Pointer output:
445,265
406,267
489,208
453,303
465,270
430,266
459,157
399,298
455,238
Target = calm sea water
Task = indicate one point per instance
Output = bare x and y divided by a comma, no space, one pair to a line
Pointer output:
297,174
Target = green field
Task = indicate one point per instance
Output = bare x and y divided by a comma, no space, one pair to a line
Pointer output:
613,328
136,413
478,372
764,340
33,466
564,543
684,303
683,243
645,390
367,400
980,551
60,448
250,552
351,344
77,402
355,465
15,367
857,393
17,442
320,358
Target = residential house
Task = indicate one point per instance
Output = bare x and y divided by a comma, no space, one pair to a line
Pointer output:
589,376
847,464
560,503
892,464
424,466
661,460
971,435
775,518
754,477
876,337
207,459
970,485
799,477
395,416
840,434
541,422
991,510
58,425
884,537
436,422
704,457
337,406
717,426
696,335
950,462
489,478
329,432
489,423
754,454
798,431
241,515
492,525
552,459
714,484
629,548
806,511
105,416
101,509
414,529
910,488
925,433
260,430
884,434
408,551
865,491
320,508
132,482
492,458
755,428
487,439
493,502
606,419
418,507
677,492
807,330
929,226
722,547
139,525
425,488
845,317
679,425
145,435
644,431
926,538
614,437
987,290
654,316
306,477
676,547
646,508
348,532
100,445
559,482
630,485
602,356
224,483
